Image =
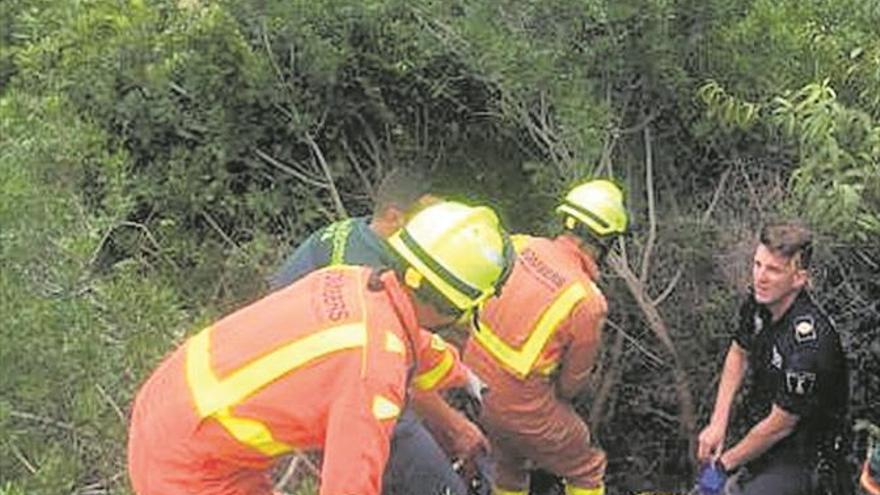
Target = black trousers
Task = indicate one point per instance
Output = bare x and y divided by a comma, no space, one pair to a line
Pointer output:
417,465
782,474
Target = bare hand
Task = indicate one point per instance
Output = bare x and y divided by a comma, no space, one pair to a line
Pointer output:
468,440
711,442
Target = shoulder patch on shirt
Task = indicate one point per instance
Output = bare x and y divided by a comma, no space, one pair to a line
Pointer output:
804,329
800,382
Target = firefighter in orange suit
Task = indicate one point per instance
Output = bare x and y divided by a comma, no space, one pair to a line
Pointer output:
535,344
323,364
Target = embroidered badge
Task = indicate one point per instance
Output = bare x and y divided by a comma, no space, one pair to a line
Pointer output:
776,360
804,330
800,382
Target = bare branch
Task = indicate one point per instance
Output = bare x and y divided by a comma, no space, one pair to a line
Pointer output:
21,458
143,228
669,288
111,402
608,381
214,225
658,326
42,419
635,342
356,163
715,196
288,472
289,169
334,193
652,216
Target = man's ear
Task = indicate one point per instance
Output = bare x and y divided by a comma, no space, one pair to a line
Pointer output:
801,278
394,217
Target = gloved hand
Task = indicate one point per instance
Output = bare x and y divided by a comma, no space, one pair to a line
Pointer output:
711,479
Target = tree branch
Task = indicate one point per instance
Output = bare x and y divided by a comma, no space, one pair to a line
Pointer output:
334,193
658,326
669,288
652,218
715,196
288,169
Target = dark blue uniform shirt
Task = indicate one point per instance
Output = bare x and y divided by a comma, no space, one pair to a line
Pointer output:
798,364
349,242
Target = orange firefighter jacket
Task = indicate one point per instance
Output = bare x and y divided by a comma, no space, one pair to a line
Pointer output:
537,341
320,365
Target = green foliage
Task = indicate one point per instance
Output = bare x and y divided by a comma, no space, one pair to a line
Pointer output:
68,368
158,158
838,179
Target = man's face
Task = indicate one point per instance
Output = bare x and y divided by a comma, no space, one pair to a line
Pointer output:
775,277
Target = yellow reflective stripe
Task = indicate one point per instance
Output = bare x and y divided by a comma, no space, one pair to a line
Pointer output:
394,344
214,397
429,379
384,408
211,394
341,232
521,360
501,491
519,242
576,490
252,432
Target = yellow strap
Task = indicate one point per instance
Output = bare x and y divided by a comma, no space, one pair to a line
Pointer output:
384,408
521,360
429,379
576,490
214,397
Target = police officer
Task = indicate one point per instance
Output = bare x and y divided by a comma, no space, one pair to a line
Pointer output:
798,397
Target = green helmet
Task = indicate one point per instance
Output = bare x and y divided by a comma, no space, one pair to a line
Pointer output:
598,205
461,250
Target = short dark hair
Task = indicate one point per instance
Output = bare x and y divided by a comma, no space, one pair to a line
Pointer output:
402,187
793,240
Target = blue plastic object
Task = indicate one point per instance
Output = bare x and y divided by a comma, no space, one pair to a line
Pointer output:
711,479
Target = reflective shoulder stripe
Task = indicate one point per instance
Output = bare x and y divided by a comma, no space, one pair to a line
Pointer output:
340,238
521,360
519,242
214,397
384,408
429,379
212,394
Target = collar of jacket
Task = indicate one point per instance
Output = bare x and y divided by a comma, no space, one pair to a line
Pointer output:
586,261
403,307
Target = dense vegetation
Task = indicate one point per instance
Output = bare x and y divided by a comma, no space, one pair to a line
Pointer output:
158,159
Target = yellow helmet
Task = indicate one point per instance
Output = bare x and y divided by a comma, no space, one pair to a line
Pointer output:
598,205
461,250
